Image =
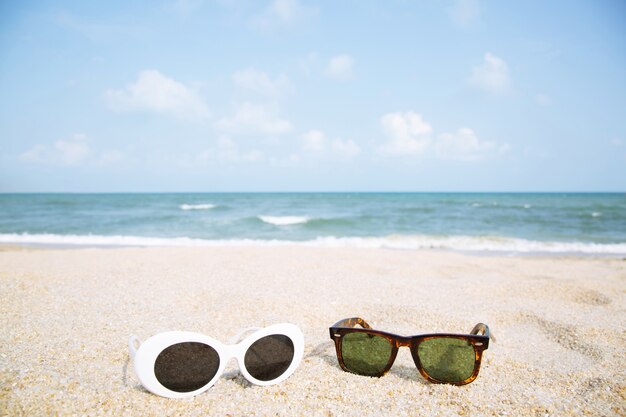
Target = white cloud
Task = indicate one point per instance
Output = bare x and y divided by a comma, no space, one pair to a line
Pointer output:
407,134
465,145
70,152
340,67
347,148
253,118
154,92
227,150
491,76
110,157
284,10
258,107
65,152
313,141
261,83
37,153
187,7
617,142
283,13
307,63
543,100
464,12
292,160
99,30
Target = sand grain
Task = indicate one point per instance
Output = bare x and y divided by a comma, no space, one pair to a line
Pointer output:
67,315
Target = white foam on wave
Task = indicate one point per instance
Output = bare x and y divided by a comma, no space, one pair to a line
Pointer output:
197,206
117,240
596,214
476,244
284,220
416,242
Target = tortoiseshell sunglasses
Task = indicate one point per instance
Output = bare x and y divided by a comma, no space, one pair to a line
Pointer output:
440,358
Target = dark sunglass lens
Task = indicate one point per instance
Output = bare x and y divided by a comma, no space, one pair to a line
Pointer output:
269,357
364,353
447,359
187,366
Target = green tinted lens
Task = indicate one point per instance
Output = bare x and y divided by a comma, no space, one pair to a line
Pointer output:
447,359
364,353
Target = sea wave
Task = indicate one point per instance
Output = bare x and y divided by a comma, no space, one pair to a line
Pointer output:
490,244
495,244
197,206
284,220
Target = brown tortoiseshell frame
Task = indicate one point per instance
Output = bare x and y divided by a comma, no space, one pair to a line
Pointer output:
478,338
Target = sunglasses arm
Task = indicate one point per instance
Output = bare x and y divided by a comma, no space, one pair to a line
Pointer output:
483,329
352,322
237,338
133,344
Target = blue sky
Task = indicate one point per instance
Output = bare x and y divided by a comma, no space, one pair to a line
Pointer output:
289,95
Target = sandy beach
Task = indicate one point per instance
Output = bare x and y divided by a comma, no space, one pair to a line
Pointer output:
560,327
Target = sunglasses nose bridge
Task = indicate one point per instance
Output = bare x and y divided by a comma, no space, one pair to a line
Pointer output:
232,351
403,341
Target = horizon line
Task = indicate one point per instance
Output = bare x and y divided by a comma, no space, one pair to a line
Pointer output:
320,192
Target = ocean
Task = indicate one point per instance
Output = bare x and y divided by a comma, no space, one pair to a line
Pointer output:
567,223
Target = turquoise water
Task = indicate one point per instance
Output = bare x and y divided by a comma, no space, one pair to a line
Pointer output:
515,222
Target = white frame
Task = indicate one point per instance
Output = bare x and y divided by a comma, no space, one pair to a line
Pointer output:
145,355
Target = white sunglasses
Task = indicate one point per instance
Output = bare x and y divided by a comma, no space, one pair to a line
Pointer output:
183,364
